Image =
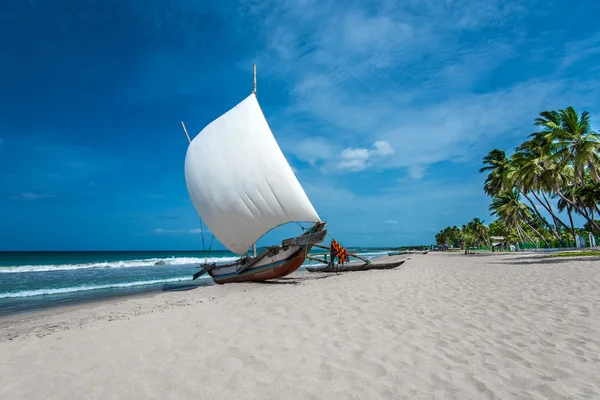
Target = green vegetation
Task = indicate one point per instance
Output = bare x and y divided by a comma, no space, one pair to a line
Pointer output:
577,254
560,161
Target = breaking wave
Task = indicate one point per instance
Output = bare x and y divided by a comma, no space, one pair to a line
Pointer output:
82,288
159,262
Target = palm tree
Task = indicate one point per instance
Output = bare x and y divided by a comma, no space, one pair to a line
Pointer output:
497,164
477,232
502,177
507,206
573,141
571,145
531,172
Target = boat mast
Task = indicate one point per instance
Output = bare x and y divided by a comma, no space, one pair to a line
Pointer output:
254,91
186,132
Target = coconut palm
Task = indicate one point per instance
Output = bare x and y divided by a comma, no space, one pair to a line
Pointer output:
497,164
508,207
477,232
532,171
573,141
574,149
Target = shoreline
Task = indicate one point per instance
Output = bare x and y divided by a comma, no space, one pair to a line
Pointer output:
94,299
32,304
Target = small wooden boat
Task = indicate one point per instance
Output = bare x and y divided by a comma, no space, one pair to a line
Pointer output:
377,263
399,253
275,262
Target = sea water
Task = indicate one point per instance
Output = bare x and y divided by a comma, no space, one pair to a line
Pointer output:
32,281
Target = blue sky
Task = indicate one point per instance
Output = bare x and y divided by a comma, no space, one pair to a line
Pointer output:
384,109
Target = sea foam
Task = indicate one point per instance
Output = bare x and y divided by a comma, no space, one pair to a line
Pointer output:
158,262
82,288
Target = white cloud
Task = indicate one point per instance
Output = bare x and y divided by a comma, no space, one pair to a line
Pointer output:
354,159
405,73
579,51
32,196
159,231
361,158
383,148
312,150
416,172
349,211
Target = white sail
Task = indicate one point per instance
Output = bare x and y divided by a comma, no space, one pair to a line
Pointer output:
239,180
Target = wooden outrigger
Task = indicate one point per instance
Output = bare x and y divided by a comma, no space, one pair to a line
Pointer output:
384,262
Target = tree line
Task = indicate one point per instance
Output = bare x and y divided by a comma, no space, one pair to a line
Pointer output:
561,162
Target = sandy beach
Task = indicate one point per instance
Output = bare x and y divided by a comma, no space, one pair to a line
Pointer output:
441,326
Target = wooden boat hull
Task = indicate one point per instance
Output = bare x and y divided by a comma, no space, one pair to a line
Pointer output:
272,270
357,267
282,262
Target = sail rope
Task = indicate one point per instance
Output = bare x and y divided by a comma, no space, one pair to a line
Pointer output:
202,232
203,246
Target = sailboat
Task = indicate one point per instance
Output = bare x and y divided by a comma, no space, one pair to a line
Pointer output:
242,187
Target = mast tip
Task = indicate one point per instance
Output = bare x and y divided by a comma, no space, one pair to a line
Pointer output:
254,67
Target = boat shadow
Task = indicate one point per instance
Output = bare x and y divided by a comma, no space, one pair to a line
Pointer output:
295,280
186,286
547,260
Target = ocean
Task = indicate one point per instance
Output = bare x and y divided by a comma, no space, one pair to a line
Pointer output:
32,281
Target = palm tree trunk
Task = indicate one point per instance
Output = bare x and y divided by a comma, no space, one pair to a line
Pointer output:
549,207
556,219
569,211
551,212
520,234
525,233
593,224
552,229
537,233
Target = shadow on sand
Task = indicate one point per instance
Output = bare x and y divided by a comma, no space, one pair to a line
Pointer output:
545,260
187,286
295,280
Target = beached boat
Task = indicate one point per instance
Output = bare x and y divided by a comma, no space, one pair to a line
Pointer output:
242,187
399,253
385,262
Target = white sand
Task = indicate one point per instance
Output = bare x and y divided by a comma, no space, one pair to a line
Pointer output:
439,326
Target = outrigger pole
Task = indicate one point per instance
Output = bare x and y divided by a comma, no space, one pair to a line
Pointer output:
329,248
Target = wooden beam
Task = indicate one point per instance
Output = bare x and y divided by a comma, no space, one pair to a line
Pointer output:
351,254
203,269
186,132
254,260
317,259
303,240
359,257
